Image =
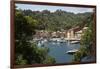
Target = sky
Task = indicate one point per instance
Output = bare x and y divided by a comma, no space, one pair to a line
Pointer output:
53,8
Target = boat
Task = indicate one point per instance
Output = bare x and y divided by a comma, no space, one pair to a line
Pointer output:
58,40
74,42
72,51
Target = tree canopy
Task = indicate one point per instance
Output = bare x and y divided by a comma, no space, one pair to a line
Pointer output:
27,52
57,20
87,47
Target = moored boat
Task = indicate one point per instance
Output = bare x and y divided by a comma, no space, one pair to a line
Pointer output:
74,42
72,51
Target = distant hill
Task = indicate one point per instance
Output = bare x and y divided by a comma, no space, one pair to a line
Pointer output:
57,20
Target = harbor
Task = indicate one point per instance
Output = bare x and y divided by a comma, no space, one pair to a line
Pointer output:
61,49
62,46
57,40
58,51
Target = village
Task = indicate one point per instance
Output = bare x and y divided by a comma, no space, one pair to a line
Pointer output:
73,35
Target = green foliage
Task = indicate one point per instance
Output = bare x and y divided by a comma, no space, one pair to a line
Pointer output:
27,52
86,41
57,20
80,54
20,60
22,27
49,60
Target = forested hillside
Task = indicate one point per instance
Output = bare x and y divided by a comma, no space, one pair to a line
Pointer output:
57,20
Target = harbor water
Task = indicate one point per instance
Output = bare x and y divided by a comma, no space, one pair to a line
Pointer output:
58,51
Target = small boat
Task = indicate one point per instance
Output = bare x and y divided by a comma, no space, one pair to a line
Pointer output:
74,42
72,51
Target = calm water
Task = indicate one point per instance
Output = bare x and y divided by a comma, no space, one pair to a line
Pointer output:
58,51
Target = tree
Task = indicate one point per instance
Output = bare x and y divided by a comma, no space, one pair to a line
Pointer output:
57,20
86,41
27,52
